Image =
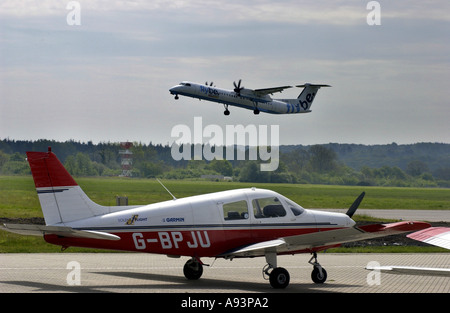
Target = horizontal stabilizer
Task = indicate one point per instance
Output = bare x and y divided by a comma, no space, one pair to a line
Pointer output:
312,85
63,231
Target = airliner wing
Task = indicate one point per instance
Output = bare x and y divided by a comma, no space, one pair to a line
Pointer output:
438,236
321,240
267,91
64,231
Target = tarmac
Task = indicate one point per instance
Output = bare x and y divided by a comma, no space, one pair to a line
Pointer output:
147,273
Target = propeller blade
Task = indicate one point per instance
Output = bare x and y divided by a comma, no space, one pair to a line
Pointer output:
238,88
355,204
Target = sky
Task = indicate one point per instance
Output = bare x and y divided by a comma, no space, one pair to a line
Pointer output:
108,78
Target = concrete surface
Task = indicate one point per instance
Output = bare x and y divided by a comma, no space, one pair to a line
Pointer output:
136,273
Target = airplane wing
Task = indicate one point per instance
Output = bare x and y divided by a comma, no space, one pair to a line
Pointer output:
438,236
410,270
267,91
64,231
318,241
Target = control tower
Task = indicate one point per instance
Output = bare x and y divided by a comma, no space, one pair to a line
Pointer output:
126,157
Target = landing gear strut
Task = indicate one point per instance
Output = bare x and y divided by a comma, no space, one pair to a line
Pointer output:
176,97
278,277
193,269
319,274
255,108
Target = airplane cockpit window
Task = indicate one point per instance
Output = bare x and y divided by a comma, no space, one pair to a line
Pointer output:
185,84
295,208
235,210
268,207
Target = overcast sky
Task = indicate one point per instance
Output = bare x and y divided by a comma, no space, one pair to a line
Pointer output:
108,79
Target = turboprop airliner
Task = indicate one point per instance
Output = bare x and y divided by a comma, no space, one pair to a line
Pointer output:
229,224
258,100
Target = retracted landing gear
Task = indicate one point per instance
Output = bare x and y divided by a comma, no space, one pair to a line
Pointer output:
319,274
278,277
193,269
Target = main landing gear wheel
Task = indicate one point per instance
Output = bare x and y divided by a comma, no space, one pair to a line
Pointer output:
256,111
279,278
193,269
319,274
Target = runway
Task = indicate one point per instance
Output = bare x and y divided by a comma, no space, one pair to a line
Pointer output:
139,273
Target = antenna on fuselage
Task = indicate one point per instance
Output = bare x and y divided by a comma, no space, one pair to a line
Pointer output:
166,189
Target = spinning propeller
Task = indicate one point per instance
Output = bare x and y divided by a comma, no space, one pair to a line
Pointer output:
238,88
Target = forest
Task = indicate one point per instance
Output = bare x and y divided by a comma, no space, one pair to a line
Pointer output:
414,165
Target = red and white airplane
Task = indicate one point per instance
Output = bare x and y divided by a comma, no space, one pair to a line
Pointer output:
230,224
258,100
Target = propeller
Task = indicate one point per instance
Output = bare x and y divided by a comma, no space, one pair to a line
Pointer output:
238,88
355,205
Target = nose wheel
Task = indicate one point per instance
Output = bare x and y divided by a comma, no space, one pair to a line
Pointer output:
319,274
226,112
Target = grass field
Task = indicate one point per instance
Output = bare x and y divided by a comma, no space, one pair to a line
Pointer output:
18,199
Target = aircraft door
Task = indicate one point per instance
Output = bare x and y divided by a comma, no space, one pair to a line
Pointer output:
268,215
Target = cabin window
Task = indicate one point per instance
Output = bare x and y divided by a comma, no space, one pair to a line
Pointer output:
235,210
268,207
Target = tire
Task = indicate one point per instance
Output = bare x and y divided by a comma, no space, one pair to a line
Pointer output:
192,270
316,277
279,278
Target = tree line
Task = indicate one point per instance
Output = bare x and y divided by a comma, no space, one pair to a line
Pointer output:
315,164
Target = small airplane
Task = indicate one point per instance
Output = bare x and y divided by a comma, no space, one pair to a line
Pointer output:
258,100
228,224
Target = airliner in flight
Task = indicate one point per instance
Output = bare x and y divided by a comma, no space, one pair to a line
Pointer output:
258,100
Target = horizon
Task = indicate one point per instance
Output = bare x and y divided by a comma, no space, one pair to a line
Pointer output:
168,145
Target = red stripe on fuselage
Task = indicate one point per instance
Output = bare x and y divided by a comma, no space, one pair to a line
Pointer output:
200,243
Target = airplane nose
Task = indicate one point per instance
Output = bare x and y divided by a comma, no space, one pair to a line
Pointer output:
350,222
172,90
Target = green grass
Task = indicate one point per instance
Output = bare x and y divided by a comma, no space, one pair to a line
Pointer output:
18,199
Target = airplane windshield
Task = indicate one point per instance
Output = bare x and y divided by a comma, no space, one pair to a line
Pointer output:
295,208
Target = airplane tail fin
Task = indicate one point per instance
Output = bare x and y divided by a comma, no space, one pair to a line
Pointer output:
307,96
61,199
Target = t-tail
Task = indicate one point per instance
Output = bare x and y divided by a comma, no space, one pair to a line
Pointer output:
307,96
